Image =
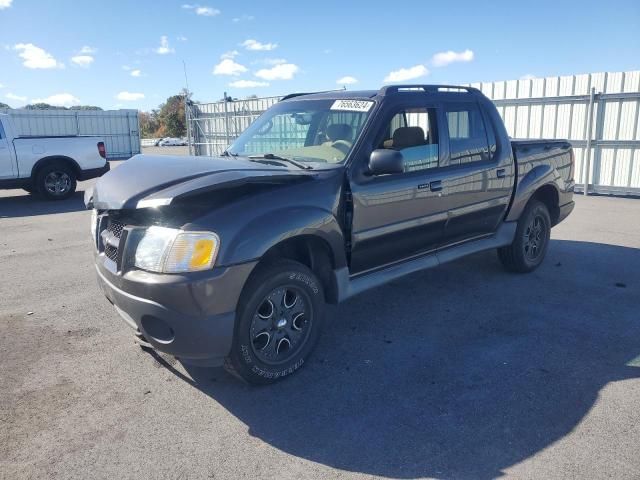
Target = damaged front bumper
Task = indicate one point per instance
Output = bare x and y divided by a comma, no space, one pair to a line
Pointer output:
190,316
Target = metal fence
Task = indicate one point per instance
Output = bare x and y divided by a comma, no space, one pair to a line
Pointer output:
119,128
597,112
211,127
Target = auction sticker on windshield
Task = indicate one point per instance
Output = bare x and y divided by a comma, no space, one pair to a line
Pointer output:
352,105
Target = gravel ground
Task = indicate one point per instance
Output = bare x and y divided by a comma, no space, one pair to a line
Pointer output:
463,371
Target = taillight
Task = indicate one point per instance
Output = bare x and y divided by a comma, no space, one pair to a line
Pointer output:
101,150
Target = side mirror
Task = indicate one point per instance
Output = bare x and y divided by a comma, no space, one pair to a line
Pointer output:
384,161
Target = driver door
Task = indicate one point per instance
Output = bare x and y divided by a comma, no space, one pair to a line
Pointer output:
402,215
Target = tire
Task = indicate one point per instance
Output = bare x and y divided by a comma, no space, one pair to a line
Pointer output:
55,181
526,253
278,322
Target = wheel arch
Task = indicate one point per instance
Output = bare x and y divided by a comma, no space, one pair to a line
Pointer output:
548,194
540,183
44,161
312,251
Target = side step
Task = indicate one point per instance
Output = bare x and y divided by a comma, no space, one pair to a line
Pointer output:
349,286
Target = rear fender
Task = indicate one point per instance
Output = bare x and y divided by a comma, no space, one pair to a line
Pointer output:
534,179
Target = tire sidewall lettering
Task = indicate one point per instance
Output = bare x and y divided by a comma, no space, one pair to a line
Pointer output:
278,373
301,277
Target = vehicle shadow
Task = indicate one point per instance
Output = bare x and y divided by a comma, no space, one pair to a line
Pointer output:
27,205
457,372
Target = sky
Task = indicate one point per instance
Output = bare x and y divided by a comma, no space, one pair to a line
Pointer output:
130,54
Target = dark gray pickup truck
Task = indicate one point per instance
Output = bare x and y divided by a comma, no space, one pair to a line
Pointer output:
232,259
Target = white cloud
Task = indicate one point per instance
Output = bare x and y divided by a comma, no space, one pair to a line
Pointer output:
274,61
284,71
82,60
136,73
202,10
5,4
228,67
230,54
129,97
248,84
164,47
59,100
243,18
404,74
13,96
257,46
87,50
36,57
347,80
181,38
443,59
207,11
1,85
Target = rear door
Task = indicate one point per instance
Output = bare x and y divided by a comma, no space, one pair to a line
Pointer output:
477,182
400,215
6,159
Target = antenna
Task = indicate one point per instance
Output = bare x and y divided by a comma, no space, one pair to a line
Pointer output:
186,79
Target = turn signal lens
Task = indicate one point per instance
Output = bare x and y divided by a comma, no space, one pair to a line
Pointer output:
202,253
192,252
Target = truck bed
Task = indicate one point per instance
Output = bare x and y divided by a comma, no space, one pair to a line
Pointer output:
530,153
541,163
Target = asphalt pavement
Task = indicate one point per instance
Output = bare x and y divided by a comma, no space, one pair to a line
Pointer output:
464,371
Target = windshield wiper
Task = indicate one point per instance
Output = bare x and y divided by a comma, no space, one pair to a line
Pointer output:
227,153
271,156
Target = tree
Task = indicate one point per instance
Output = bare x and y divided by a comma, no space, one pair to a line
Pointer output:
172,116
85,107
149,123
41,106
46,106
4,105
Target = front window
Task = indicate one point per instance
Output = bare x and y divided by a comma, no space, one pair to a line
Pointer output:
413,132
305,130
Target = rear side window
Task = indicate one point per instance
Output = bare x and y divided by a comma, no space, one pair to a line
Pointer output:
1,131
413,132
467,134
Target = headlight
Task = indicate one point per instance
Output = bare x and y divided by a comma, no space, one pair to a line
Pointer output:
169,250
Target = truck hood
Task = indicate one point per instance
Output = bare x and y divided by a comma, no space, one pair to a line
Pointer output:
157,180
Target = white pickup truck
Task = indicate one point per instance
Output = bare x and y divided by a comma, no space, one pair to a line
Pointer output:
48,166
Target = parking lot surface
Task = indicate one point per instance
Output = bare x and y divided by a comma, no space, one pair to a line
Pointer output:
463,371
165,150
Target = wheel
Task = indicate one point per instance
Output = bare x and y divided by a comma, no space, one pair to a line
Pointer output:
55,181
278,322
530,244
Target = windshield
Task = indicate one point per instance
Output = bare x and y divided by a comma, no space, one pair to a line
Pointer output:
305,130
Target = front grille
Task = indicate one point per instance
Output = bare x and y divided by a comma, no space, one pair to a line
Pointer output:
111,252
111,238
115,227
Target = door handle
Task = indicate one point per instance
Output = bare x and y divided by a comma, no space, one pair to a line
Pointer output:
500,173
435,186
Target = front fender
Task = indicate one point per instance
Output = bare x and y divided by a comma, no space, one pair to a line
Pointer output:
253,239
534,179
